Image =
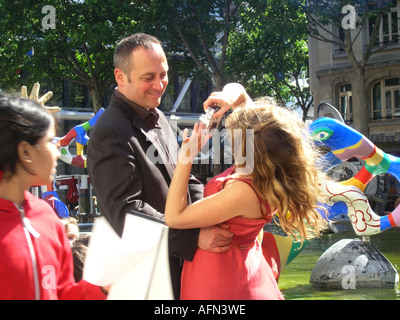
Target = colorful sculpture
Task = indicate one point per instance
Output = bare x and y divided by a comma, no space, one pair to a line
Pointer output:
346,197
346,143
35,97
79,135
51,197
279,251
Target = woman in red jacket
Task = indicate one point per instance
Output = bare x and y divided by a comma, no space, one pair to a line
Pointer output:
35,256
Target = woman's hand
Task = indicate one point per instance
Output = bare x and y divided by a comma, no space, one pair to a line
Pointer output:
231,96
220,99
193,144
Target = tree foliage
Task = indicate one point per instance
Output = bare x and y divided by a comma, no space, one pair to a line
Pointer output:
199,31
79,48
259,43
270,52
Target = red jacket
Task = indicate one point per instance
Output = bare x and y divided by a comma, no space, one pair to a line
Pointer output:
35,256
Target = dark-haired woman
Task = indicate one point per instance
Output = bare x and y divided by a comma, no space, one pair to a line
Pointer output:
35,256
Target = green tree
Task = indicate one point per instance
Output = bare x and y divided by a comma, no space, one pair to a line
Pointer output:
81,45
198,31
79,48
269,53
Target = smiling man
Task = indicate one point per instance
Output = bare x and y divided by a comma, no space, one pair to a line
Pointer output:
124,177
141,72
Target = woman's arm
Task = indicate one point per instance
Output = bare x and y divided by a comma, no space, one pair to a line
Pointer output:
236,199
177,194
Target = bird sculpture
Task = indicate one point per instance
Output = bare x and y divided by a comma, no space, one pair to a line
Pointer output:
81,138
345,143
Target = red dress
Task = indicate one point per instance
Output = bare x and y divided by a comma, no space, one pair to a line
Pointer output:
241,273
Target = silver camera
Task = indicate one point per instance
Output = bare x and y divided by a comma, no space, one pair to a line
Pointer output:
208,120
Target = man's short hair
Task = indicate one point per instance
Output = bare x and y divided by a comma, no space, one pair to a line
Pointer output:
126,46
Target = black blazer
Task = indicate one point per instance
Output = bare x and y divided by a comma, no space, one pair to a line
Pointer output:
130,171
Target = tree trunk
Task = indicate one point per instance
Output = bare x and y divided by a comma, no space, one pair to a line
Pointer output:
365,109
218,81
305,110
97,98
218,163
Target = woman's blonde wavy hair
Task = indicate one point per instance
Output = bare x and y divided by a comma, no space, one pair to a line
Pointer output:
284,169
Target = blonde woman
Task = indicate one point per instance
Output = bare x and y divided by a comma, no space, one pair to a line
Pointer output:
277,175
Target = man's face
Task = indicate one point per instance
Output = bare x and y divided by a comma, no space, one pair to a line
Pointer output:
148,79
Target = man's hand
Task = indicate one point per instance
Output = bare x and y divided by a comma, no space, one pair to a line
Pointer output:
215,238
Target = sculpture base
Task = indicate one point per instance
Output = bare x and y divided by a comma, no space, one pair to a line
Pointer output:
353,264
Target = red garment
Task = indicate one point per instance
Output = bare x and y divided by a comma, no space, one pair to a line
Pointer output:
72,194
51,258
241,273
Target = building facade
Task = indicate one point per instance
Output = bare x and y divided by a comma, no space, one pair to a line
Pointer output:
333,80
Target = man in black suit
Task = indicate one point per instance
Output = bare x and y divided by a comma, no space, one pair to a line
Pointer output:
132,152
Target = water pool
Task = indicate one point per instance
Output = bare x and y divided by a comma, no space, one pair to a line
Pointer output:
295,283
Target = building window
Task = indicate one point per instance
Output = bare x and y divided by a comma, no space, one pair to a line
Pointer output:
346,103
386,99
389,27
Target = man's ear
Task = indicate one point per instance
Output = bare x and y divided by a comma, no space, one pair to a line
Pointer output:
120,77
24,152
